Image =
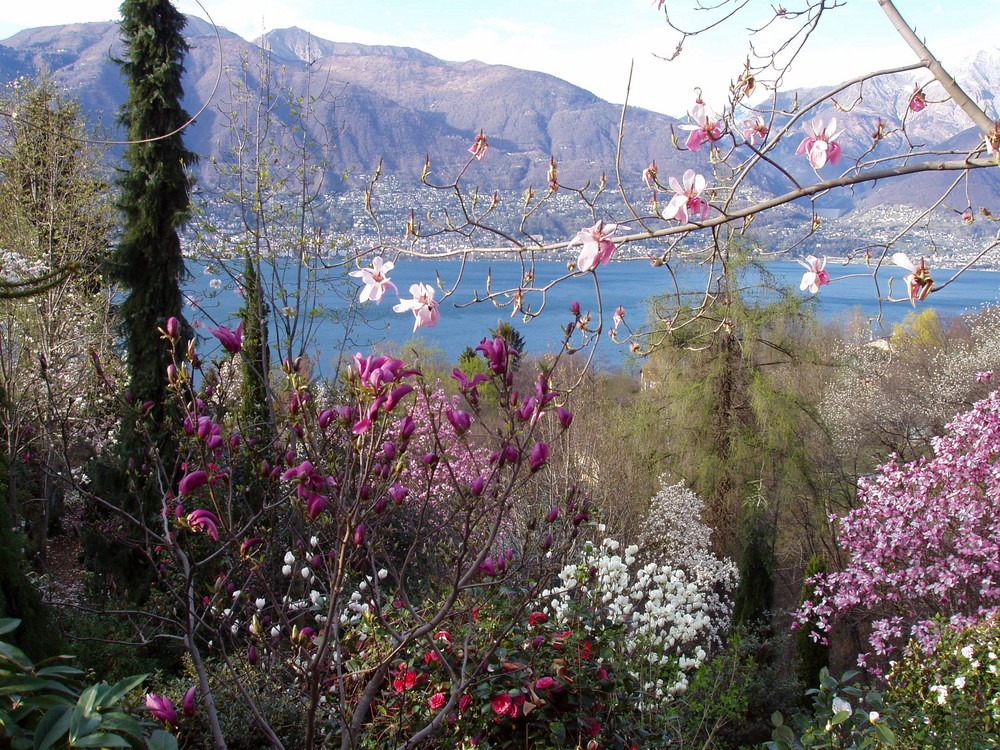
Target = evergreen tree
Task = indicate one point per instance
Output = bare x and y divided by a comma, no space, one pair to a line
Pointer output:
154,197
755,592
812,655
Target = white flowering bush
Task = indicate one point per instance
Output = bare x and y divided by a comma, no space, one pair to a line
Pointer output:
663,618
674,534
950,697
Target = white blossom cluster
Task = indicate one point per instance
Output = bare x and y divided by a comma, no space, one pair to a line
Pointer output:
15,268
857,407
674,535
666,615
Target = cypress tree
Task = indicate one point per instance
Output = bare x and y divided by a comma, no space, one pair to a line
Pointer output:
755,592
154,199
811,655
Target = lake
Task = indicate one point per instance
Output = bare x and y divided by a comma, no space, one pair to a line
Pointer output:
627,283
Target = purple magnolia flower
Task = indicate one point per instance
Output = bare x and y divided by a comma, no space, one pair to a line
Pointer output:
161,708
539,456
189,701
497,353
204,520
232,341
460,420
190,482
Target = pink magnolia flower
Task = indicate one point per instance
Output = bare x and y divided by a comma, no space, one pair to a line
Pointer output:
618,318
687,198
375,279
820,143
479,147
993,139
232,341
918,100
918,282
189,697
597,245
422,305
707,127
754,130
161,708
815,275
649,174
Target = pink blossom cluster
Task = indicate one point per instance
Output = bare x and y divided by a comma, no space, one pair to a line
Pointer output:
925,542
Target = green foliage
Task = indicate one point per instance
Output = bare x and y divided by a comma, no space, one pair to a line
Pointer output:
730,697
949,698
51,705
55,212
20,599
154,204
755,592
919,332
811,655
844,716
736,390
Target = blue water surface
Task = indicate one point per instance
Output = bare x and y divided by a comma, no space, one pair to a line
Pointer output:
629,284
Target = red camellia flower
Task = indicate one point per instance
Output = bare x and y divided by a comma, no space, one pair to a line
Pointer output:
544,683
502,705
586,650
592,727
536,618
437,701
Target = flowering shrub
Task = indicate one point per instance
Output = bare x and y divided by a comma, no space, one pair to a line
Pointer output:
361,579
925,544
661,617
674,534
949,697
843,716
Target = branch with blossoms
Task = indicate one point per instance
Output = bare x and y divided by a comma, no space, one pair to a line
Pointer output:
709,210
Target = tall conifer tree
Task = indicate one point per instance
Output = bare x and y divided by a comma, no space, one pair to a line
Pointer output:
154,196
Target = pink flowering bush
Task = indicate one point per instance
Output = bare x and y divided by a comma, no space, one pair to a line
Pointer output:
925,544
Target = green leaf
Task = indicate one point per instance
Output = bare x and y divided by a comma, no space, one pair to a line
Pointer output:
22,684
14,655
87,699
65,672
558,730
777,719
117,721
8,624
84,721
784,735
840,717
161,740
102,739
885,735
52,727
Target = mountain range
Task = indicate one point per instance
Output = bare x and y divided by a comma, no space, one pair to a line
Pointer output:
400,104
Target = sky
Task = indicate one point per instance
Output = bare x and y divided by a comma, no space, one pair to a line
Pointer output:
590,43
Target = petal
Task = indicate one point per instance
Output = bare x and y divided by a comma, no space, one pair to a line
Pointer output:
903,260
